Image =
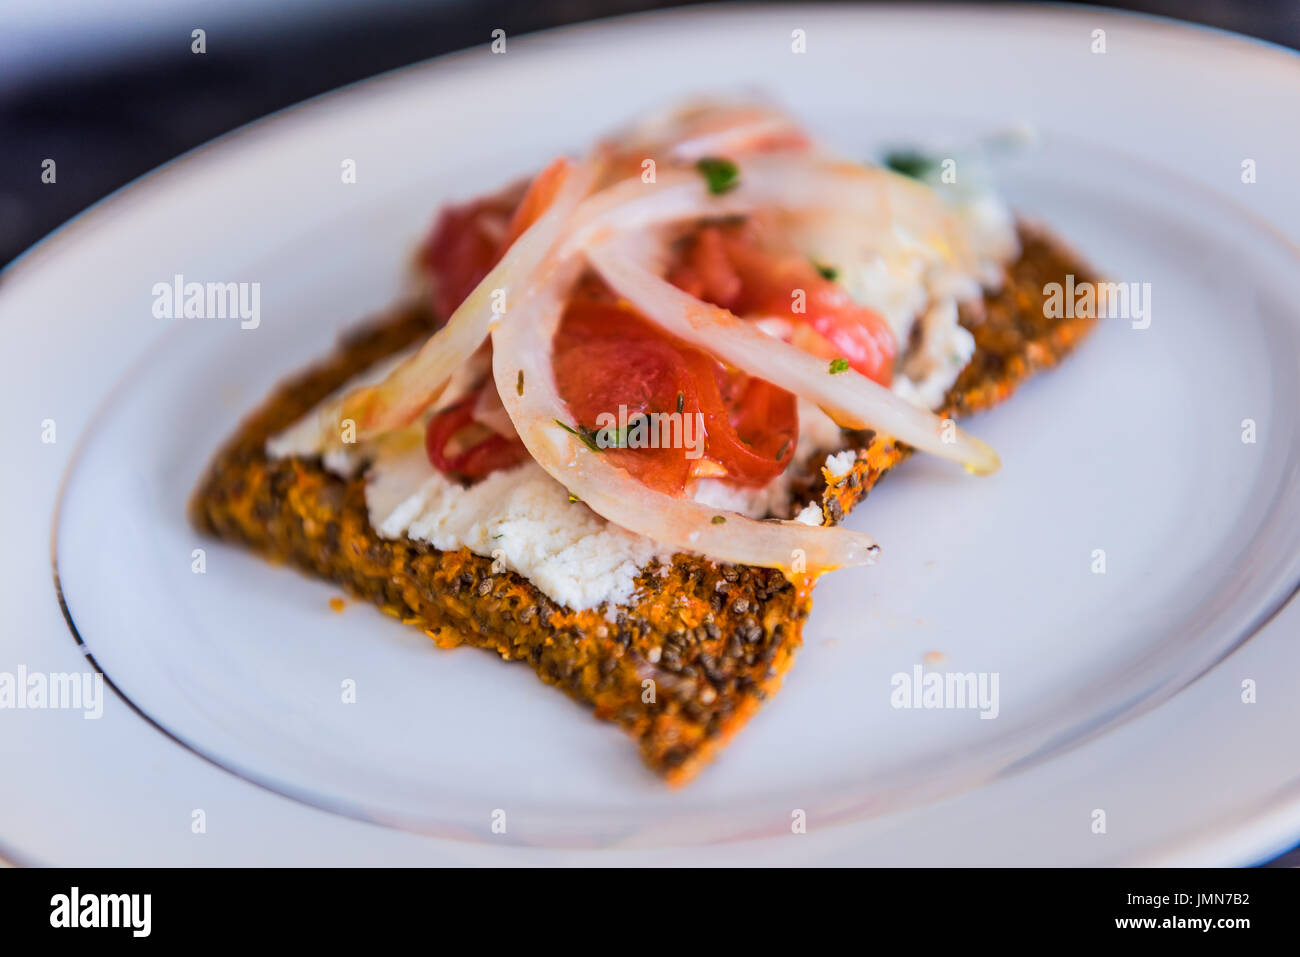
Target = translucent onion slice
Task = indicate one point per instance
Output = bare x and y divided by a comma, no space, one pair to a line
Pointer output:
885,208
628,205
710,128
409,388
522,345
631,205
880,202
853,400
735,140
490,412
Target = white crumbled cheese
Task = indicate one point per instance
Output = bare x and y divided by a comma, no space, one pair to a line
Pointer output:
810,514
943,349
841,463
906,282
919,303
521,518
991,231
340,461
894,287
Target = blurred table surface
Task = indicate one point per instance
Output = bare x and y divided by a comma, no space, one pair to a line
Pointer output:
112,90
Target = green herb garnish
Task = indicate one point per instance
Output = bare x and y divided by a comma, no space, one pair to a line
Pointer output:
781,452
585,434
681,401
717,519
721,174
519,383
573,498
909,163
839,365
825,271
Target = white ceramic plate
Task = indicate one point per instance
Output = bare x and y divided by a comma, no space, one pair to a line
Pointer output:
1118,692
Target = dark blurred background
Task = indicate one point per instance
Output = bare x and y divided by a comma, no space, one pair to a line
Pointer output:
110,89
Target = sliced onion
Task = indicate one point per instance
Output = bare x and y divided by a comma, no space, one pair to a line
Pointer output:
490,412
415,383
706,128
523,344
734,140
853,400
884,207
877,199
630,205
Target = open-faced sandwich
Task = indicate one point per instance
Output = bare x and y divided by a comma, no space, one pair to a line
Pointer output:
615,434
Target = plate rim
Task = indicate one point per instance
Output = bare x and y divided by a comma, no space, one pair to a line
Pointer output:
1078,734
110,205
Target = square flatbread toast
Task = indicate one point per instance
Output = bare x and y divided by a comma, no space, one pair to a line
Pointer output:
715,639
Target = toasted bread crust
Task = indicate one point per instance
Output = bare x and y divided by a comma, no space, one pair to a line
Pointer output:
685,665
1014,339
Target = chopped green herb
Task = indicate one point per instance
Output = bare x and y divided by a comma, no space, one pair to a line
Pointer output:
681,401
909,163
781,452
585,434
827,272
839,365
718,519
619,438
721,174
519,383
573,498
501,535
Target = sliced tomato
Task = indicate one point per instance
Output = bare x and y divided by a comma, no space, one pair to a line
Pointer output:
595,313
464,245
763,427
706,272
488,455
606,356
729,267
537,200
461,448
470,238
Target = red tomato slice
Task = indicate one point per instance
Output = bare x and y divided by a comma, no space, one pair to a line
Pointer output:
762,429
707,272
537,200
487,456
464,245
720,259
478,454
594,313
606,356
470,238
